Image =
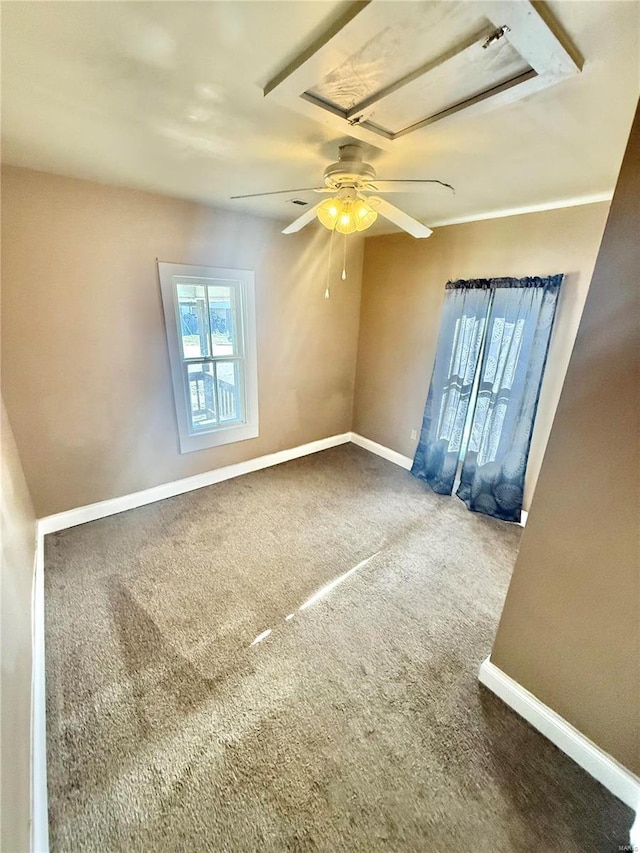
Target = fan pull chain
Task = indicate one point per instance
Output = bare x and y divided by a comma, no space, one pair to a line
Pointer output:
344,260
327,292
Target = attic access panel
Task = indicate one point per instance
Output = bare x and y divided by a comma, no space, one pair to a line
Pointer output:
389,69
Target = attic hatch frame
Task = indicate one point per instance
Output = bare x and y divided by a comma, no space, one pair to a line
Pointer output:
516,22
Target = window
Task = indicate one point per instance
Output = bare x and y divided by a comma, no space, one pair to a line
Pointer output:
209,316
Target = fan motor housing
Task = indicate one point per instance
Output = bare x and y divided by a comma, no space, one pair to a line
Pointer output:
350,168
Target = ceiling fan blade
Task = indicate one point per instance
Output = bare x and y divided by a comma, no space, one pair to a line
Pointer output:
399,185
299,223
400,218
283,192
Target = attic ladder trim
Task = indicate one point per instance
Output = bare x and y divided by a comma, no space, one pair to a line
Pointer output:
535,55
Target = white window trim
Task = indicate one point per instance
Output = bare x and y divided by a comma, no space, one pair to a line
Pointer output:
249,427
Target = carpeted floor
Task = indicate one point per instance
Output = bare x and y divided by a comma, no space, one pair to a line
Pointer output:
356,725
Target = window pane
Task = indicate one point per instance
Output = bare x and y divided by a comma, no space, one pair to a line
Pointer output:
229,391
202,398
223,311
192,311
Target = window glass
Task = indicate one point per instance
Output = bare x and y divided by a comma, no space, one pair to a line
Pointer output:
192,311
229,391
202,396
223,313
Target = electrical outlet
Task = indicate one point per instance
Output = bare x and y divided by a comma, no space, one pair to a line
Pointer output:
414,434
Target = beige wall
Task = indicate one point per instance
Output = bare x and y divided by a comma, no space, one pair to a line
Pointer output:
85,366
402,293
86,373
570,630
18,537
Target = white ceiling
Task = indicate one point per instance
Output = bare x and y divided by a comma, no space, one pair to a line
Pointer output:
167,97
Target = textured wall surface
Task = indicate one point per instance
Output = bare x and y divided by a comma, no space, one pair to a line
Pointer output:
570,630
402,293
85,365
18,553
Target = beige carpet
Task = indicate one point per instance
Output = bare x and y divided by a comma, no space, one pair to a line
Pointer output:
356,725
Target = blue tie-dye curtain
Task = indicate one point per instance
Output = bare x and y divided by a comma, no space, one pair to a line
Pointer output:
515,354
464,316
519,316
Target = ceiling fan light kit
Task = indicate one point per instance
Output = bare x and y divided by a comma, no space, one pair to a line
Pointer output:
346,215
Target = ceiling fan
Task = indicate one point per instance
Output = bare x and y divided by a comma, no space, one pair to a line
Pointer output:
352,208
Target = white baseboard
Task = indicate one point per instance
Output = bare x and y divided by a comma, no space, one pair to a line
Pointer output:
381,450
621,782
91,512
102,509
39,801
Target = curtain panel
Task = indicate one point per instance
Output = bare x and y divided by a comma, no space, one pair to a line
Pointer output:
464,317
481,415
